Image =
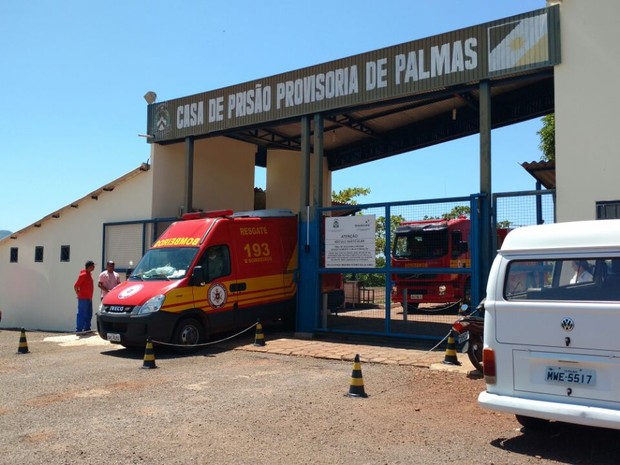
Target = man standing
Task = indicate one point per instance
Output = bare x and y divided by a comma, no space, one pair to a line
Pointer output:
108,279
84,288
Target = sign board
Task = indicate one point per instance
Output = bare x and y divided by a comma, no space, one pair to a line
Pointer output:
350,242
487,51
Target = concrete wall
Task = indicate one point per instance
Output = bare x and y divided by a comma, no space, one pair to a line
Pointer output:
168,167
223,176
40,295
283,180
586,107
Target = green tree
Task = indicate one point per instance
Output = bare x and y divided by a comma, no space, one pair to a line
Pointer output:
547,138
348,195
395,221
459,210
464,210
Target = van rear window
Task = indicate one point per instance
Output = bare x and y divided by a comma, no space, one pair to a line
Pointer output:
573,279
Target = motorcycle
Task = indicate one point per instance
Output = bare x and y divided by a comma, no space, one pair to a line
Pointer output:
469,329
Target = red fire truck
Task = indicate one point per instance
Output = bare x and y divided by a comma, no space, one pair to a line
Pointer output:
434,243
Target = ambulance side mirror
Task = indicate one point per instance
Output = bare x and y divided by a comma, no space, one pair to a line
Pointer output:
198,276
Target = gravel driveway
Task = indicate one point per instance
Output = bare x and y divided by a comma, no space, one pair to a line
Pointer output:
84,401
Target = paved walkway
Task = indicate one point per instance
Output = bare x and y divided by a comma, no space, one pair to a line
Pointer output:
302,345
369,353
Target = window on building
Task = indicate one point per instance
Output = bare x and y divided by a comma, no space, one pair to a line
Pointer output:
608,210
38,253
13,258
65,253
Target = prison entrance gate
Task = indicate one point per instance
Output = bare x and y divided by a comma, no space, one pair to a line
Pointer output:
372,301
371,305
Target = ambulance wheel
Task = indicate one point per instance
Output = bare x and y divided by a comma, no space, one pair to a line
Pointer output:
188,333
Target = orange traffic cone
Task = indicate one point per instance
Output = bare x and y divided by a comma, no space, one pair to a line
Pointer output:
23,343
357,381
149,355
259,340
450,358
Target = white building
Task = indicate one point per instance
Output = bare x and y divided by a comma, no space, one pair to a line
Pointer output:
587,149
41,262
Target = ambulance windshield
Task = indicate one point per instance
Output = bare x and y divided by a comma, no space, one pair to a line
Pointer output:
164,264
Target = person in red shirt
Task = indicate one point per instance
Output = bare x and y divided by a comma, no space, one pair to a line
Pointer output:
84,288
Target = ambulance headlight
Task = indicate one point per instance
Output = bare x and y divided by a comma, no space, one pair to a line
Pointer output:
150,306
442,290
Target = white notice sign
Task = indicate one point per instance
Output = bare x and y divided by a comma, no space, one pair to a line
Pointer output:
350,242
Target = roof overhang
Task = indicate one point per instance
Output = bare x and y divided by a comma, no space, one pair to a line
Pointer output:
385,102
542,171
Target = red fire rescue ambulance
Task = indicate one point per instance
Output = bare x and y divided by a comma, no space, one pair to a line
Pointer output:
211,272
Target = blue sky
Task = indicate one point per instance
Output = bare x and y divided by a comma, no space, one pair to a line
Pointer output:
75,72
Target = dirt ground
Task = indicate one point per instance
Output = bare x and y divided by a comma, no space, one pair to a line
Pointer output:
79,401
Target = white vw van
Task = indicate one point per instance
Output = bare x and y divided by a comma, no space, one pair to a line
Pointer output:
552,325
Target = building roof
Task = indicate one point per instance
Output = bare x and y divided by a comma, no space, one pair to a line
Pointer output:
364,122
94,195
542,171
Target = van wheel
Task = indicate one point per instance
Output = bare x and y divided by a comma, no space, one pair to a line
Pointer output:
532,423
189,332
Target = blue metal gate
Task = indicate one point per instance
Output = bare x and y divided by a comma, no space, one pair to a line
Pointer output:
369,306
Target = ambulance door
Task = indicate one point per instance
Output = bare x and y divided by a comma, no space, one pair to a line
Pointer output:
258,252
218,297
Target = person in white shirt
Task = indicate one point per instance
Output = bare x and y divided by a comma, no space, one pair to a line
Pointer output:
582,272
108,279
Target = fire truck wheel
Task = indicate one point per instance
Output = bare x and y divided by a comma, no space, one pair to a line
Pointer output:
189,332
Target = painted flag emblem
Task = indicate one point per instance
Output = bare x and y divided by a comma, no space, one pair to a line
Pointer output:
519,43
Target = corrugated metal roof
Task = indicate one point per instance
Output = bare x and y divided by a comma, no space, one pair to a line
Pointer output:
542,171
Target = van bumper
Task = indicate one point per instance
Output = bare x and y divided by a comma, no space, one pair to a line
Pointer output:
557,411
134,330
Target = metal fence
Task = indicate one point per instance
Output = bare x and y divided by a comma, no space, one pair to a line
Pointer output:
525,208
371,305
